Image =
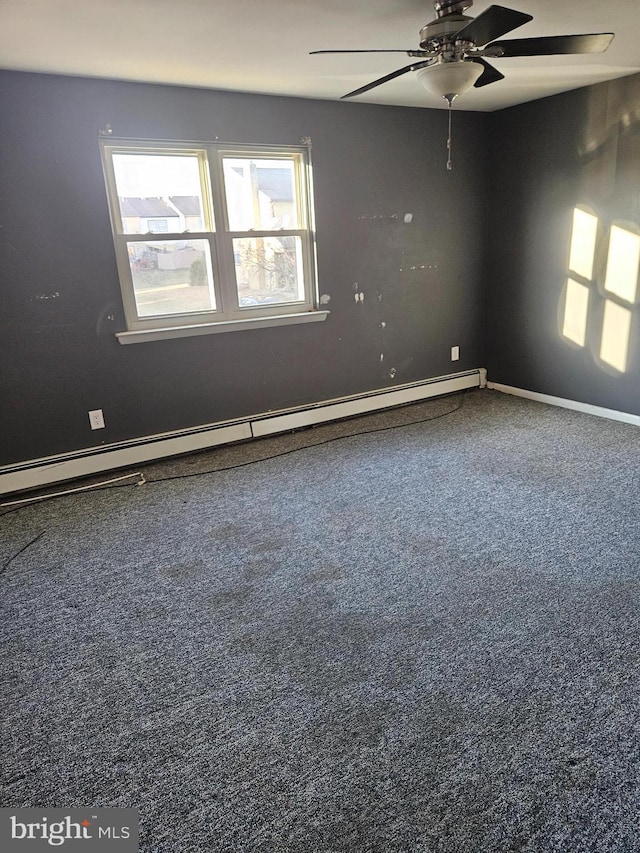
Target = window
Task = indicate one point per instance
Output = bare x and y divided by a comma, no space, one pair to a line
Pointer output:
156,225
234,244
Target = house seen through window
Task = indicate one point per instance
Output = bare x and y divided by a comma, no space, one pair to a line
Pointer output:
209,234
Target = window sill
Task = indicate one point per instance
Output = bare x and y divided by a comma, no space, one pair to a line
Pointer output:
141,335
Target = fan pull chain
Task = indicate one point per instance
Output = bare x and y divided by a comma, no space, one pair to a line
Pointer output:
449,163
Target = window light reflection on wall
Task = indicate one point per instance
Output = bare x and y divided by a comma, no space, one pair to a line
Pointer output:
576,307
616,327
582,253
622,264
583,243
620,281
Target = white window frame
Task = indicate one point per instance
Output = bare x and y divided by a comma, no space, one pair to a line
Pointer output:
228,315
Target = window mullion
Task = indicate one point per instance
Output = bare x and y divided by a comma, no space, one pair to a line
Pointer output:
227,273
224,245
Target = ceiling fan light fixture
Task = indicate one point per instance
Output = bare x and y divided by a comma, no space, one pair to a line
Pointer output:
449,79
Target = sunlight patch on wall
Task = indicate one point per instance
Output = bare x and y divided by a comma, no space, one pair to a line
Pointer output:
576,307
588,281
622,264
616,328
583,243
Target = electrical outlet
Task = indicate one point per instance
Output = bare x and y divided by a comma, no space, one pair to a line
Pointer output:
96,419
455,353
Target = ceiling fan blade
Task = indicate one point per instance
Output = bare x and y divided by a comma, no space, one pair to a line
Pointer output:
386,78
551,45
392,50
489,74
494,22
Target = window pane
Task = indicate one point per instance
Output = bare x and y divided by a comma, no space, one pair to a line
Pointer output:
159,193
171,277
260,194
268,270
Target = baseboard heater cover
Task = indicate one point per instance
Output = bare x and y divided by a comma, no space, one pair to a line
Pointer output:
372,402
38,473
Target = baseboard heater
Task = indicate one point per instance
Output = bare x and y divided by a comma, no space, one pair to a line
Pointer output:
37,473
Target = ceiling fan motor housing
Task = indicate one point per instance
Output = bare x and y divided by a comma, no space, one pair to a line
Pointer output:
447,7
442,30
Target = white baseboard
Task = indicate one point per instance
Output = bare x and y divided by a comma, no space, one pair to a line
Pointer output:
585,408
37,473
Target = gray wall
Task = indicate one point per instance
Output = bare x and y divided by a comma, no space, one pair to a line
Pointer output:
59,284
579,148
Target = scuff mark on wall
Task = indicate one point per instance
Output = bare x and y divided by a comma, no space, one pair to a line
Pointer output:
419,267
43,296
105,324
325,299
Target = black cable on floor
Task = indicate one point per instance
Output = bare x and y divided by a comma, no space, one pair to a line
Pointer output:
306,447
6,565
99,488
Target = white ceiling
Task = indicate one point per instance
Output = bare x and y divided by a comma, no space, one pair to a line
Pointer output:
263,45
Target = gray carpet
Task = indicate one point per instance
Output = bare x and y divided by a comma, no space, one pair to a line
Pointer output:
423,640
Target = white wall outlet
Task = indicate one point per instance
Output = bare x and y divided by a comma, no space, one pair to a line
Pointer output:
96,419
455,353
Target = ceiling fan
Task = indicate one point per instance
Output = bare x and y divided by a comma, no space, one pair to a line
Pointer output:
455,39
454,49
